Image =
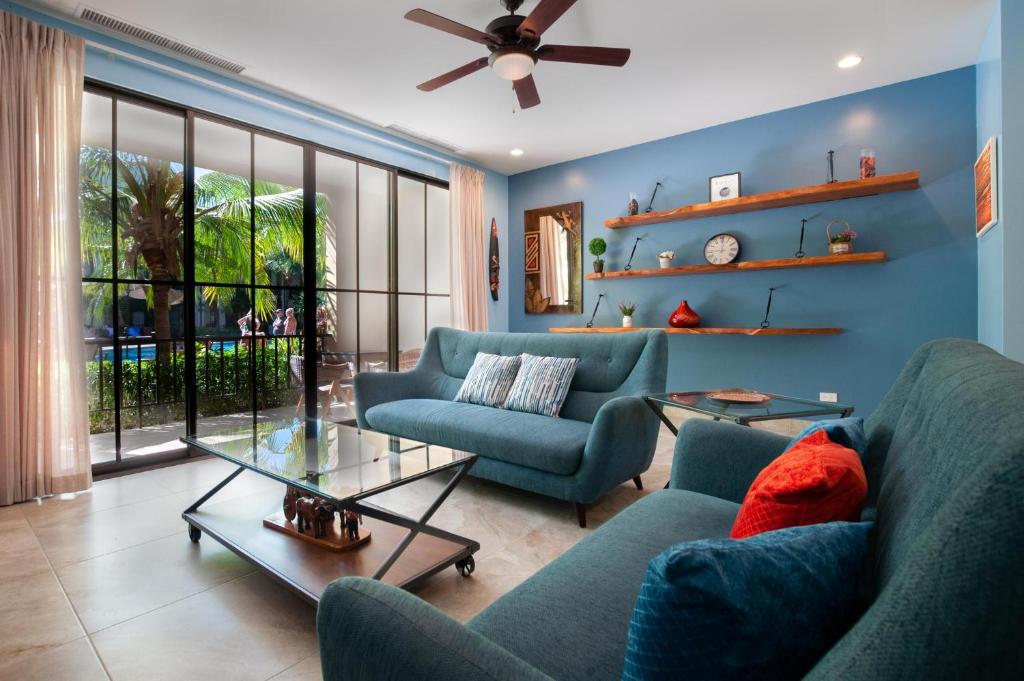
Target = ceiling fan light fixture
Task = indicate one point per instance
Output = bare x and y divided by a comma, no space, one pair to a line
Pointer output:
512,64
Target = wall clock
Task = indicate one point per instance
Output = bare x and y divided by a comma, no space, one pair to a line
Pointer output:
721,249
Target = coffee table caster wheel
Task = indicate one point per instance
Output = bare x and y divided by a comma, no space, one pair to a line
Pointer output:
194,533
466,566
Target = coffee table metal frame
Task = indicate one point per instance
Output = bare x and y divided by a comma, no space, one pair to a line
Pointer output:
462,560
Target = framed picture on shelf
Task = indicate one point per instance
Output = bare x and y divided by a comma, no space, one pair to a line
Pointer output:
724,187
986,181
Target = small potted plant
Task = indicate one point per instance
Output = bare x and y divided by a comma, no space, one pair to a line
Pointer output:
597,247
627,310
842,241
665,259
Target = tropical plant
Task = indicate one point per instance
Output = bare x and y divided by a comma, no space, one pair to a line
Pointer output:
627,309
150,223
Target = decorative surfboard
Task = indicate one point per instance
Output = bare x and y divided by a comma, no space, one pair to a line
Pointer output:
494,260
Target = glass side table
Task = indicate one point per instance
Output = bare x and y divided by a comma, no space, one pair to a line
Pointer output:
778,407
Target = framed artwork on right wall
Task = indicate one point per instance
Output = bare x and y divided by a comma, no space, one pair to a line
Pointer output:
986,182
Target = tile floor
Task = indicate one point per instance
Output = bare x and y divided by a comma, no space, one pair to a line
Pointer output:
106,585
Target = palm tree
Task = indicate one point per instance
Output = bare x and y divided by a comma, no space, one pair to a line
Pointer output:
150,205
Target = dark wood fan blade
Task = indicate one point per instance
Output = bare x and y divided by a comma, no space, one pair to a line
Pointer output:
526,91
422,16
602,56
542,16
454,74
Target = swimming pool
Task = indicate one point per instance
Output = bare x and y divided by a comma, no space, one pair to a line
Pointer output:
133,353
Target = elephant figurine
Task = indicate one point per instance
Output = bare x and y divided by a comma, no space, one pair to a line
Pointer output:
325,511
306,513
290,497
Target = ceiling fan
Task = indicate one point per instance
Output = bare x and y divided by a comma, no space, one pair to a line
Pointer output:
514,43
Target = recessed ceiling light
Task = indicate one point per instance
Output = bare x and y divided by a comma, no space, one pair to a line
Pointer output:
849,61
516,152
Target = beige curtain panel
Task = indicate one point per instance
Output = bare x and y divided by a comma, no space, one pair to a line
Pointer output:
469,284
44,427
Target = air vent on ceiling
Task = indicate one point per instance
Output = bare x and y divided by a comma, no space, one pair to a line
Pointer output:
424,139
145,35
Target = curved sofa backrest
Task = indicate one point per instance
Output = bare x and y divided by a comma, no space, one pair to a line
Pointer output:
610,364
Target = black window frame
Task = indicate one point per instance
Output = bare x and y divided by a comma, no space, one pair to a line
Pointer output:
310,149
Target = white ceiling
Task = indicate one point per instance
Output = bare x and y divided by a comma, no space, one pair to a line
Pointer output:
695,63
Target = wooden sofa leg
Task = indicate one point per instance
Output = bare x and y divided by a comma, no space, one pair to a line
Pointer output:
581,514
638,482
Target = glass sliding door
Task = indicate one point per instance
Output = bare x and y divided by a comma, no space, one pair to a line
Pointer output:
424,299
196,311
248,242
278,294
354,277
132,220
222,240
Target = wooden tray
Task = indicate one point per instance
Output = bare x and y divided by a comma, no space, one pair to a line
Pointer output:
738,396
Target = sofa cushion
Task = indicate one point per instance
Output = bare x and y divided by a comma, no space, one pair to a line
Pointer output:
766,607
541,385
848,432
489,380
571,619
816,481
541,442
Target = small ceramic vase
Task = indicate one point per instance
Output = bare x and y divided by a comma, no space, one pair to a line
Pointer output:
684,317
665,263
627,322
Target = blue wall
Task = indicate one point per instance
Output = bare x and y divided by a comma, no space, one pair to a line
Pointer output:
927,290
989,102
1012,28
159,79
1000,112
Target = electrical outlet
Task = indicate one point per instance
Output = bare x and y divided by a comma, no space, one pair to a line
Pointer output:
828,397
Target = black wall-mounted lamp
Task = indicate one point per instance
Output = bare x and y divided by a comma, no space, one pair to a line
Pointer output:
765,324
629,263
650,204
800,251
590,324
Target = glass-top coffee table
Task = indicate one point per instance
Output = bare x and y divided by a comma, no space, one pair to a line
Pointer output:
777,407
317,533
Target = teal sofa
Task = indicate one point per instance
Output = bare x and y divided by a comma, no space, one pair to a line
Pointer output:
604,436
945,461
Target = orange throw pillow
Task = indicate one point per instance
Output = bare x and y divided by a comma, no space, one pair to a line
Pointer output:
815,481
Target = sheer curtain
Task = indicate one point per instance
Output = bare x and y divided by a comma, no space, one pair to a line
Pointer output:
468,258
44,428
554,273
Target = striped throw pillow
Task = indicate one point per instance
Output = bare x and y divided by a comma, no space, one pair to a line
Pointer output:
542,384
489,380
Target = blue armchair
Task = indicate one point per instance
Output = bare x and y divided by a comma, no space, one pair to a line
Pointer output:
945,461
605,434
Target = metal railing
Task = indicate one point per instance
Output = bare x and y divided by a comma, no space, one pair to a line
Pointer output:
153,372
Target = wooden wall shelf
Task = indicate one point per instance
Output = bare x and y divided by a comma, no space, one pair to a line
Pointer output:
705,331
883,184
749,266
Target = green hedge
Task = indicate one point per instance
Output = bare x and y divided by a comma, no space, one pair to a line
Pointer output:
222,383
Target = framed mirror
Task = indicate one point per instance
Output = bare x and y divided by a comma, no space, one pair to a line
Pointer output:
554,259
